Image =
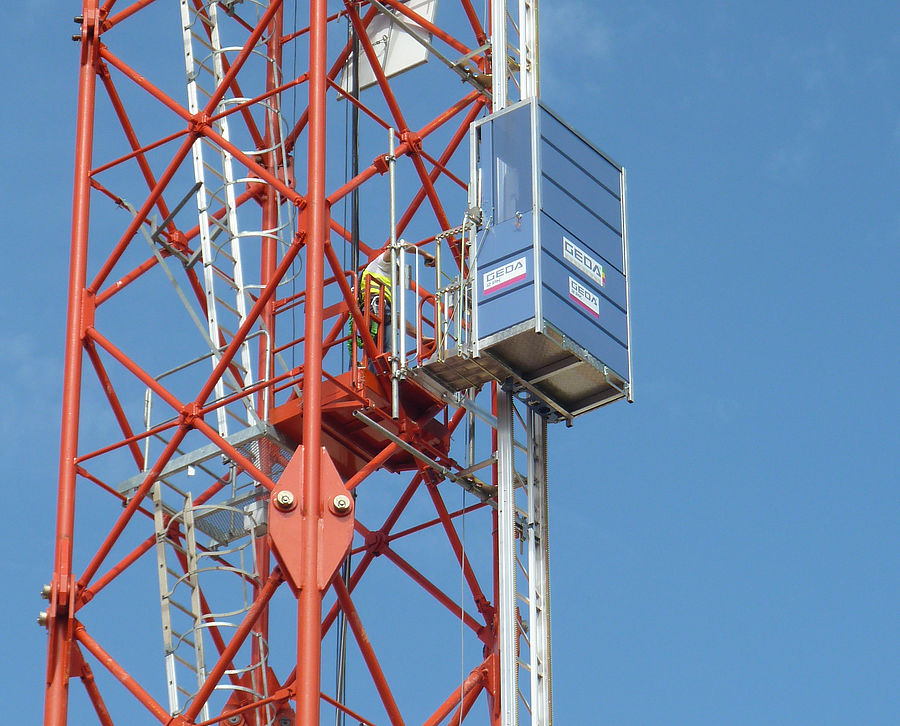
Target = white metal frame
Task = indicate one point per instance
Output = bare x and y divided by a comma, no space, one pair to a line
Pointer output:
222,271
523,520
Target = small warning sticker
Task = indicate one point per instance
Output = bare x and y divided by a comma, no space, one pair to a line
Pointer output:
585,299
504,276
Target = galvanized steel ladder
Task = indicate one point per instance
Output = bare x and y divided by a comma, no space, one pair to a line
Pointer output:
180,600
223,279
524,565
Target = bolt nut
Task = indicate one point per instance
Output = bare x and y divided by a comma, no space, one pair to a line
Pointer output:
236,719
284,500
42,618
285,721
342,504
45,592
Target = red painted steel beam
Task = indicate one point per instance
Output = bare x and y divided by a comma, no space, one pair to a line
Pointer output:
380,78
191,414
434,522
368,653
466,706
309,607
472,15
265,351
125,517
108,489
97,170
366,560
475,680
428,25
458,137
250,122
238,63
404,147
237,640
131,136
453,536
62,597
108,662
124,14
141,215
115,404
341,707
430,191
295,132
433,590
90,686
371,466
88,593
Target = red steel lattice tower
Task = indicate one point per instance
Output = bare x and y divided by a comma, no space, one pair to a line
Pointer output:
262,462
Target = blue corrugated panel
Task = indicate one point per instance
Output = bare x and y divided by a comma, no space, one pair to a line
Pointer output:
506,276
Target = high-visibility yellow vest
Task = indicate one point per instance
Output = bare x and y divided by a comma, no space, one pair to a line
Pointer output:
377,276
374,282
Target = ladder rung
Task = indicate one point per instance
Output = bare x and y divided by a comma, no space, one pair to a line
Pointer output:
214,171
187,611
175,546
228,307
185,663
183,638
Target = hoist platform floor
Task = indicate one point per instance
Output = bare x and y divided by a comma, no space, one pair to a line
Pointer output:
350,442
552,367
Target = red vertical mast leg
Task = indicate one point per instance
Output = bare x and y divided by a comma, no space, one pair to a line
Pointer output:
62,596
310,603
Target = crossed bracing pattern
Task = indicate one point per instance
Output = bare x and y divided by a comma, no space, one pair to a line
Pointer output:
268,172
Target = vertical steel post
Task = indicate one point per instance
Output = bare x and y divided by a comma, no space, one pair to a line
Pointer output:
499,64
266,356
62,595
537,538
506,542
395,293
310,604
529,57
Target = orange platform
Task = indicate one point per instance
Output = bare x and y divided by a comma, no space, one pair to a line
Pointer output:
352,443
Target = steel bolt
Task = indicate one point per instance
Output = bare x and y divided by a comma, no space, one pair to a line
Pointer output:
342,503
42,618
236,719
45,592
284,500
285,721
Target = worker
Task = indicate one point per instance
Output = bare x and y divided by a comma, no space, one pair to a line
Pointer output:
375,281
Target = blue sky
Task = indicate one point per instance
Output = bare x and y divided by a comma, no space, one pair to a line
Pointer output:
725,550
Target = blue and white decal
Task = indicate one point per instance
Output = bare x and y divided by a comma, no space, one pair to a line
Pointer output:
583,261
502,277
585,299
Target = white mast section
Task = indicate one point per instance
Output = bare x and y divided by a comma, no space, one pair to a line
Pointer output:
516,60
525,637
